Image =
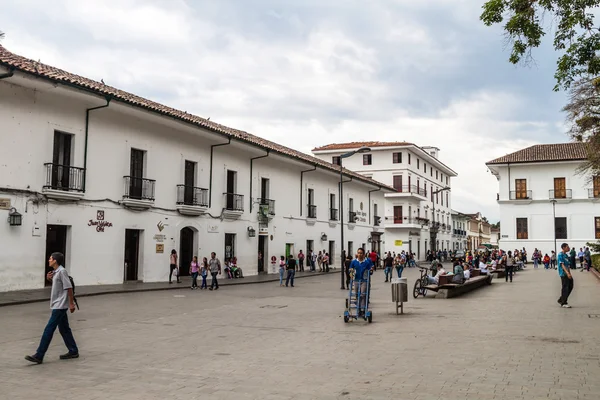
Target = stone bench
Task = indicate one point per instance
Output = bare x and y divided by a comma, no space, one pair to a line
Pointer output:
449,290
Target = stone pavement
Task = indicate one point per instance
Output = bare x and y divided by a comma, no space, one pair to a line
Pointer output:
37,295
505,341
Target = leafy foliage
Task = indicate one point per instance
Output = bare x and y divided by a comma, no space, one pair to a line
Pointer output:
572,22
583,113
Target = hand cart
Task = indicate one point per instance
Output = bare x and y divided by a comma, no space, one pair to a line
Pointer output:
355,308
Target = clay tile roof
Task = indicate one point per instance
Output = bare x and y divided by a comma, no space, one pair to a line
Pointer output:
545,152
356,145
19,63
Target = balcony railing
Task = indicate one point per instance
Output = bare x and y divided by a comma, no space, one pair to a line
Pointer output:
560,194
351,217
234,202
411,189
192,196
268,203
139,188
64,177
333,214
376,220
312,211
415,221
594,193
520,195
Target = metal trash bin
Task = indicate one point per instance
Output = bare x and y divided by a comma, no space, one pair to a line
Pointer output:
399,292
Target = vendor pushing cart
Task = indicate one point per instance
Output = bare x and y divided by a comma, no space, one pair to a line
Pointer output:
357,304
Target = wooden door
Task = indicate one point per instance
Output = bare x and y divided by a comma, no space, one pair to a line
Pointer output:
521,188
560,188
397,214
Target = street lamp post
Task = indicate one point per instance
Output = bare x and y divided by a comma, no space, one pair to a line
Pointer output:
554,224
342,255
434,229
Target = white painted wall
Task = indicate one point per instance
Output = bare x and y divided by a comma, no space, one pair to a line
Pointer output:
580,211
28,119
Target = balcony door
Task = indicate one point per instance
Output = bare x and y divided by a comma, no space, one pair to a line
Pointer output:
136,173
264,188
521,188
61,160
231,188
397,214
560,188
596,183
189,181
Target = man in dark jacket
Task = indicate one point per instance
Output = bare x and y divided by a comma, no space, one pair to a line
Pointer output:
291,270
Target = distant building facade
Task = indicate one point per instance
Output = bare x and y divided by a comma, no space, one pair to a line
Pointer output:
544,201
414,211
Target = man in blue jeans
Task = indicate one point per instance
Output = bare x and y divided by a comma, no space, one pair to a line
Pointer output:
61,301
564,271
361,266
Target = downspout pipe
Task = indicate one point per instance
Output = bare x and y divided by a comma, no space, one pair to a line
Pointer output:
302,184
370,191
8,74
251,176
211,169
87,134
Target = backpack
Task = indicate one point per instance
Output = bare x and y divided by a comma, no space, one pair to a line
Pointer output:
73,286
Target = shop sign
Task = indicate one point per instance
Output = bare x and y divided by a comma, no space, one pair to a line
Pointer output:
160,248
160,238
4,204
398,243
100,223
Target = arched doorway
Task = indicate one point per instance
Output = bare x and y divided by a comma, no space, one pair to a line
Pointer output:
186,250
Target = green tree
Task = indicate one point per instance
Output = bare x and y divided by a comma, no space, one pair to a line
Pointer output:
1,35
526,22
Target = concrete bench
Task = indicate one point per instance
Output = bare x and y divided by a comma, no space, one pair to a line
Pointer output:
449,290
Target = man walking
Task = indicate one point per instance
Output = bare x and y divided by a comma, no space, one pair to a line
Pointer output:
564,271
214,265
61,300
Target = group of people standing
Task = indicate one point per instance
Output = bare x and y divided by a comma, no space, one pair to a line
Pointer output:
397,261
212,265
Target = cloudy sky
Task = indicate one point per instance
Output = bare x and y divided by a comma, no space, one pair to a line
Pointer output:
306,73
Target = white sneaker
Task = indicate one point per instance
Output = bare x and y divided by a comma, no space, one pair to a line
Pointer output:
566,306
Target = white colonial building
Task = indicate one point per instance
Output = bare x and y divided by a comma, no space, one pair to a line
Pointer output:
544,198
116,181
418,210
459,230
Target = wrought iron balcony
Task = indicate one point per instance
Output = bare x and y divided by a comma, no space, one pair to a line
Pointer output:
192,196
234,202
594,193
333,214
520,195
560,194
64,177
351,217
269,205
139,188
413,189
312,211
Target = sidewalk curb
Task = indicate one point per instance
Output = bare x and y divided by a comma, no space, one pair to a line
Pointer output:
596,273
115,291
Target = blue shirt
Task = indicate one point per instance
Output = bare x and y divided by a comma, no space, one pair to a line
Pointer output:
564,259
360,268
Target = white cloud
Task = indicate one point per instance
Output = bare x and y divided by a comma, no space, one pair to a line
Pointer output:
304,74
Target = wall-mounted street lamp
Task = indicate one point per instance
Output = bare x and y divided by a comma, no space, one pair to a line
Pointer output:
342,253
251,232
14,218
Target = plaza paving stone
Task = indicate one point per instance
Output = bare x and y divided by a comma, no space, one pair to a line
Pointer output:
505,341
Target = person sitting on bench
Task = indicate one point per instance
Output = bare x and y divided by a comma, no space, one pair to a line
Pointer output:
483,267
435,280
